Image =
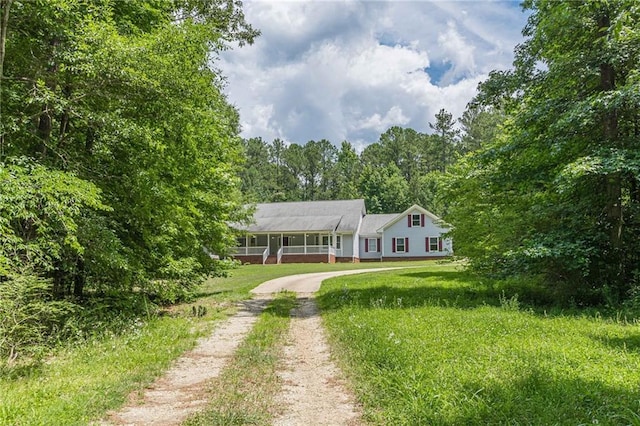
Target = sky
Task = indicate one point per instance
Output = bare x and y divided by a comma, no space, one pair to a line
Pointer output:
349,70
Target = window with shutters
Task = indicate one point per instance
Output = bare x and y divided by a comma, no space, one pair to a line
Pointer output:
434,243
416,220
338,242
372,244
400,245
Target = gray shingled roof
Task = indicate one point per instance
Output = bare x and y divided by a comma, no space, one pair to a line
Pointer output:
304,216
372,222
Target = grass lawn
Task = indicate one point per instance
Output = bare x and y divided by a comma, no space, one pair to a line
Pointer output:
433,346
79,383
237,285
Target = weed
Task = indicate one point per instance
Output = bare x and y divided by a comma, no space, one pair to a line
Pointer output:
509,303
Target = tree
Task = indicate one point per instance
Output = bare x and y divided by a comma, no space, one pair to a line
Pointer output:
480,127
347,170
121,96
560,183
384,189
444,139
258,176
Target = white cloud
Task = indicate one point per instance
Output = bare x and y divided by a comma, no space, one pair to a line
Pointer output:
393,117
458,52
349,70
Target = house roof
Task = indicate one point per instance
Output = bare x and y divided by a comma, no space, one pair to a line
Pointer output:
304,216
372,222
404,214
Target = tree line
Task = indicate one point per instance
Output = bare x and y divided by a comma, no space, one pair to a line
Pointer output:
402,168
118,154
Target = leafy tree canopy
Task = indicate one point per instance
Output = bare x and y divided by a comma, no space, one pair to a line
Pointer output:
556,194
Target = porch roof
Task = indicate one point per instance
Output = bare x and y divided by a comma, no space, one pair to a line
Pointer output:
294,224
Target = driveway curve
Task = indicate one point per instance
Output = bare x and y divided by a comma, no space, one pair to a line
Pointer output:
307,283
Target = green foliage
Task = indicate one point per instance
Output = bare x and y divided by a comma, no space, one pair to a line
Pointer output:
437,346
384,189
124,99
401,169
555,192
28,317
119,152
42,214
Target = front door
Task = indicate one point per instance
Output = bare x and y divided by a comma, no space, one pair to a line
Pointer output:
274,244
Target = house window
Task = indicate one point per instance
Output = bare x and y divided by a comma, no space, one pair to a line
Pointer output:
400,245
338,242
326,240
372,244
416,220
434,244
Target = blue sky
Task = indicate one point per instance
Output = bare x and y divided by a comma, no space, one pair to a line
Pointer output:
349,70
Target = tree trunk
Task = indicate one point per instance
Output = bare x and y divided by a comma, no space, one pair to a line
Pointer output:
5,5
45,122
79,279
610,133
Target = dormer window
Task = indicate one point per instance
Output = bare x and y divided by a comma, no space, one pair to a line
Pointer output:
415,220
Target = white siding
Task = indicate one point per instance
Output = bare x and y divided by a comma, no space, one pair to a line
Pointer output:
416,236
370,254
347,245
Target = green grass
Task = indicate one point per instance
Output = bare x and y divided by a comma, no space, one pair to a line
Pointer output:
243,393
239,281
434,346
80,383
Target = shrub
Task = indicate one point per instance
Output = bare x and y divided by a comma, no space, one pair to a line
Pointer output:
28,316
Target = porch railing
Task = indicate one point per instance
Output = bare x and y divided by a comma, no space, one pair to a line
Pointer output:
265,255
307,249
249,251
280,255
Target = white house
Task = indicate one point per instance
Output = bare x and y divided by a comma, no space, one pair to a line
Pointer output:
339,231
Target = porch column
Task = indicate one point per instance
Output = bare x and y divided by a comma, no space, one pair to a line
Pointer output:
333,243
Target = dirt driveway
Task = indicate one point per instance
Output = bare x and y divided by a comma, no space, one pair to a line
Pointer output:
313,390
306,283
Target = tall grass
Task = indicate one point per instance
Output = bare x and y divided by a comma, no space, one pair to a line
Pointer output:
434,346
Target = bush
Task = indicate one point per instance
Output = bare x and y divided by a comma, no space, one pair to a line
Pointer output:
28,316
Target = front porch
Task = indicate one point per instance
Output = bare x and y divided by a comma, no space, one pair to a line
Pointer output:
289,248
